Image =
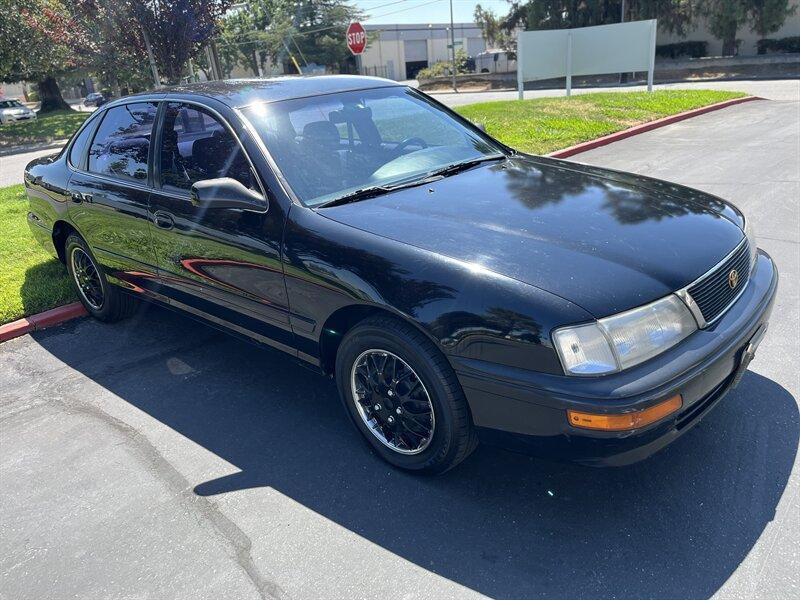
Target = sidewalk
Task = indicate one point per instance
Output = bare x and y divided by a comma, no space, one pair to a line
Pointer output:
779,89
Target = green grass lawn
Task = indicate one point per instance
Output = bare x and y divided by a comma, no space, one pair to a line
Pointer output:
30,279
52,126
547,124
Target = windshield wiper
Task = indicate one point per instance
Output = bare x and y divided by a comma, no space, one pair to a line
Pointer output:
362,194
378,190
463,166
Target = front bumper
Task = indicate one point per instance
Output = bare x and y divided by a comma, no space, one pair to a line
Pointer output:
527,411
20,117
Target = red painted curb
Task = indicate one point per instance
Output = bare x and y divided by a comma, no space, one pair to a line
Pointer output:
644,127
47,318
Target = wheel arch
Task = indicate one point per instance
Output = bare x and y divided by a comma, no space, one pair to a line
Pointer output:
344,319
61,231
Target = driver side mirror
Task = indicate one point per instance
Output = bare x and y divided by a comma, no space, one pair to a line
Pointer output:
226,192
480,126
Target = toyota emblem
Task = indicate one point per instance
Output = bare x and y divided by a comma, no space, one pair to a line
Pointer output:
733,278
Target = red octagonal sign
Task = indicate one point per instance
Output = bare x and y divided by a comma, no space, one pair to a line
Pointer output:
356,38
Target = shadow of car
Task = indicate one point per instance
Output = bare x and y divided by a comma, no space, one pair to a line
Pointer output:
502,524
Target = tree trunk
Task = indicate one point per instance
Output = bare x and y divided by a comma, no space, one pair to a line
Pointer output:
50,96
116,90
729,44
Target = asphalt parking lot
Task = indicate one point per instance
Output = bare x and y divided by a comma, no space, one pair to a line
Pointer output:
159,458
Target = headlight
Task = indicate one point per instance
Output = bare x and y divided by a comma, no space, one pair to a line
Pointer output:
751,241
624,340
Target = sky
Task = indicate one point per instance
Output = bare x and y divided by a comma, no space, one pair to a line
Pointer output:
425,11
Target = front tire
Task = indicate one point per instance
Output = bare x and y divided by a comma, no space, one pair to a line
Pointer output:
100,299
403,396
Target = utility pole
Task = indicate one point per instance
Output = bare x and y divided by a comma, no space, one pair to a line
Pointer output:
453,45
150,57
215,57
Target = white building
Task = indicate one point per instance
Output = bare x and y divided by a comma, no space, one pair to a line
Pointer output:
698,31
400,51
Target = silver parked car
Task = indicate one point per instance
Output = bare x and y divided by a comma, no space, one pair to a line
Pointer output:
14,110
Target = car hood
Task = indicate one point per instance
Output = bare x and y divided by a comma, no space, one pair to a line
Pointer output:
605,240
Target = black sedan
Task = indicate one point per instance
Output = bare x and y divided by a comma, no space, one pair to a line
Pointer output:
456,289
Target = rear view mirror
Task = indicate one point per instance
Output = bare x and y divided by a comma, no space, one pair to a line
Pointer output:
226,192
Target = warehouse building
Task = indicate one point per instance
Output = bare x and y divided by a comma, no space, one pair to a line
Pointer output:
400,51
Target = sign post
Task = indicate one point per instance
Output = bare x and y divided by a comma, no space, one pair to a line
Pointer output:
616,48
356,38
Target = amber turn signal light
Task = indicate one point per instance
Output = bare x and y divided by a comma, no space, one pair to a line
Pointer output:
625,421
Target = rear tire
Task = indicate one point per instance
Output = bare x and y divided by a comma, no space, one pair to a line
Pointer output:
102,300
378,400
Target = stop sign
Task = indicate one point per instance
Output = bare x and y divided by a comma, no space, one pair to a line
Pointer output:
356,38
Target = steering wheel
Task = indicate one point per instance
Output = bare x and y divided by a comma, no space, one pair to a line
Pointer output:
412,141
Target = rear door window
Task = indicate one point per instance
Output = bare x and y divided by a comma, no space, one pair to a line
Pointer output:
122,142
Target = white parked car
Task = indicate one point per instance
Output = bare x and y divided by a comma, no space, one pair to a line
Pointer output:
14,110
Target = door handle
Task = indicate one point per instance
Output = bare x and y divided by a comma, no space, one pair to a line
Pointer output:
163,220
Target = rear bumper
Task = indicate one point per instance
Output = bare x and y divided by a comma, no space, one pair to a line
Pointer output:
524,410
41,234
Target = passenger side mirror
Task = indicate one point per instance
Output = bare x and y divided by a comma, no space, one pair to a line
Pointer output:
480,126
226,192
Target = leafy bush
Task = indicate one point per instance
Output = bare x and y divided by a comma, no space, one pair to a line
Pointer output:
442,68
787,44
691,49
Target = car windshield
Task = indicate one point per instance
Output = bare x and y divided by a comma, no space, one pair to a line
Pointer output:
331,146
10,104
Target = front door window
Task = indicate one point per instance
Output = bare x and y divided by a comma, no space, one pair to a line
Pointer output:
196,146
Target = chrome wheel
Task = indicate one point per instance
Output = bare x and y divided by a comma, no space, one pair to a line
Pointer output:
87,278
392,401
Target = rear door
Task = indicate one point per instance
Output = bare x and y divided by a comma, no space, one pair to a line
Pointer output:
221,264
110,193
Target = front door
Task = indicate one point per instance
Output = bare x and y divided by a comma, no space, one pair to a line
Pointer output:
221,264
110,192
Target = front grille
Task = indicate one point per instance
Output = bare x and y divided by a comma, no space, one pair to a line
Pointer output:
713,293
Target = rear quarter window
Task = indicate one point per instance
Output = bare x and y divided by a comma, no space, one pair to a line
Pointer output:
78,148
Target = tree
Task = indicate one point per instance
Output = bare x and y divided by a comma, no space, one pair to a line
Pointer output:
492,27
255,34
39,41
726,17
768,16
321,26
177,29
673,15
117,51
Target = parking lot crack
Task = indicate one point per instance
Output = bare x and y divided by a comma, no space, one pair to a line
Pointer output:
209,512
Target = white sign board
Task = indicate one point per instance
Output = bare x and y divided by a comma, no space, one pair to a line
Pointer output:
619,48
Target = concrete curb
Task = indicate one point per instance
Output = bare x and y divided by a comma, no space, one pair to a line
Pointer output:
25,148
644,127
45,319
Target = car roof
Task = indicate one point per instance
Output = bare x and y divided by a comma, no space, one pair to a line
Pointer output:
242,92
